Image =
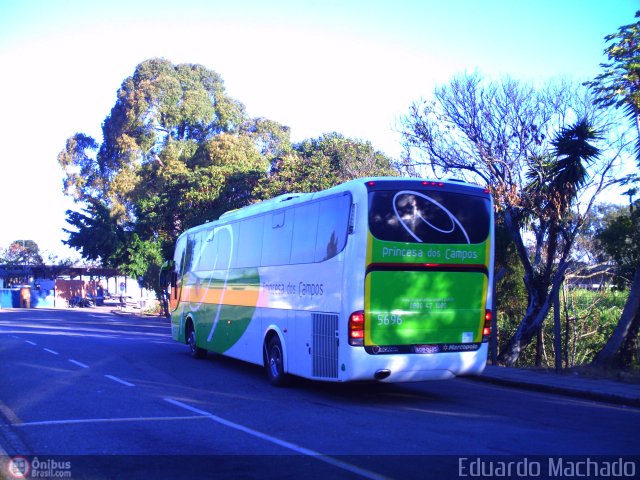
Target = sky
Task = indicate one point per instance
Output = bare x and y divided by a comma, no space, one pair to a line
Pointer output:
346,66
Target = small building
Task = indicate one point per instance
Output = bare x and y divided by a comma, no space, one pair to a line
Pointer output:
54,286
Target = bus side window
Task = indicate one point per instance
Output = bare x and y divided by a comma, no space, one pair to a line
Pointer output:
208,255
277,235
333,226
277,219
188,259
305,228
178,264
226,246
250,242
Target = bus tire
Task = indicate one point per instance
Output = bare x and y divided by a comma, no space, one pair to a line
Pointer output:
275,362
194,350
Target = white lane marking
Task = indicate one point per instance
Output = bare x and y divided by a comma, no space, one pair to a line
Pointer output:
283,443
103,420
50,351
119,380
30,342
80,364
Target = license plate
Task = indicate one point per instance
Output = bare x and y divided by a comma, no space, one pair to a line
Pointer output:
426,349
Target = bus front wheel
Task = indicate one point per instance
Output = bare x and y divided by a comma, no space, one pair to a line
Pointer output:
194,350
275,362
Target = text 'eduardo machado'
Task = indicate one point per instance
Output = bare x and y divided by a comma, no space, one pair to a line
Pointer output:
557,467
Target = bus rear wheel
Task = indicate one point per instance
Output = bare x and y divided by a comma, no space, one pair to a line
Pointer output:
275,363
194,350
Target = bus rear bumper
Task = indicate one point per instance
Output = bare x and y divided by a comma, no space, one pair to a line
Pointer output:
416,367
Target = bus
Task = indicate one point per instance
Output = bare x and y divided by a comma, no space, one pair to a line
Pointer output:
379,278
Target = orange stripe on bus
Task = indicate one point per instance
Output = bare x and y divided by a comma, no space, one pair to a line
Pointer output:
247,297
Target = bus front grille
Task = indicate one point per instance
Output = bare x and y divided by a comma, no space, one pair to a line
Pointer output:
325,345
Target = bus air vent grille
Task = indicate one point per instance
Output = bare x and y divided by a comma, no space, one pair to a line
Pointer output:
325,345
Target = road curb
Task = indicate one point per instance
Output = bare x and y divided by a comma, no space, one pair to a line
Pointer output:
10,443
567,391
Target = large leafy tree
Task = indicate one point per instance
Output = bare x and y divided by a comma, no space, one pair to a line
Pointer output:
536,150
619,86
162,111
176,150
323,162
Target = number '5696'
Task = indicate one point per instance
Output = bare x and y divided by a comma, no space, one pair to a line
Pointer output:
389,319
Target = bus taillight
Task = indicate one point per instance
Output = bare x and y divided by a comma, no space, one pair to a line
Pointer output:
486,331
356,329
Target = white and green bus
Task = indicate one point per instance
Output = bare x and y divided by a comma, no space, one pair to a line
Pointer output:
382,279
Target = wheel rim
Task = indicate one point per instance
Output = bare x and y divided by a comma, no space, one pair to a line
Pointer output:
275,361
192,340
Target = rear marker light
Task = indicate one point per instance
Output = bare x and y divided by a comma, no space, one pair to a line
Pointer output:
356,329
486,330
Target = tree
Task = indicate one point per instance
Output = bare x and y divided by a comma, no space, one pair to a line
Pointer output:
510,294
22,252
619,237
549,198
161,110
621,240
323,162
588,249
619,86
97,235
535,150
176,151
188,187
144,260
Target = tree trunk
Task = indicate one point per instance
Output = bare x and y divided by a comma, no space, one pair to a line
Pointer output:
630,346
539,306
557,335
606,356
527,329
539,346
566,330
493,339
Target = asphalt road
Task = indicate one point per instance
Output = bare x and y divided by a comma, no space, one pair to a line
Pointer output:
114,394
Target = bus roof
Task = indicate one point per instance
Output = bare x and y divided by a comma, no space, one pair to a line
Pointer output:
288,199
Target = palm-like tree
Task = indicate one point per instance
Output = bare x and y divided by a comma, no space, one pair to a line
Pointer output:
555,181
573,150
619,83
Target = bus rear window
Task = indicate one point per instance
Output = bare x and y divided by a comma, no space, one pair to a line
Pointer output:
429,216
